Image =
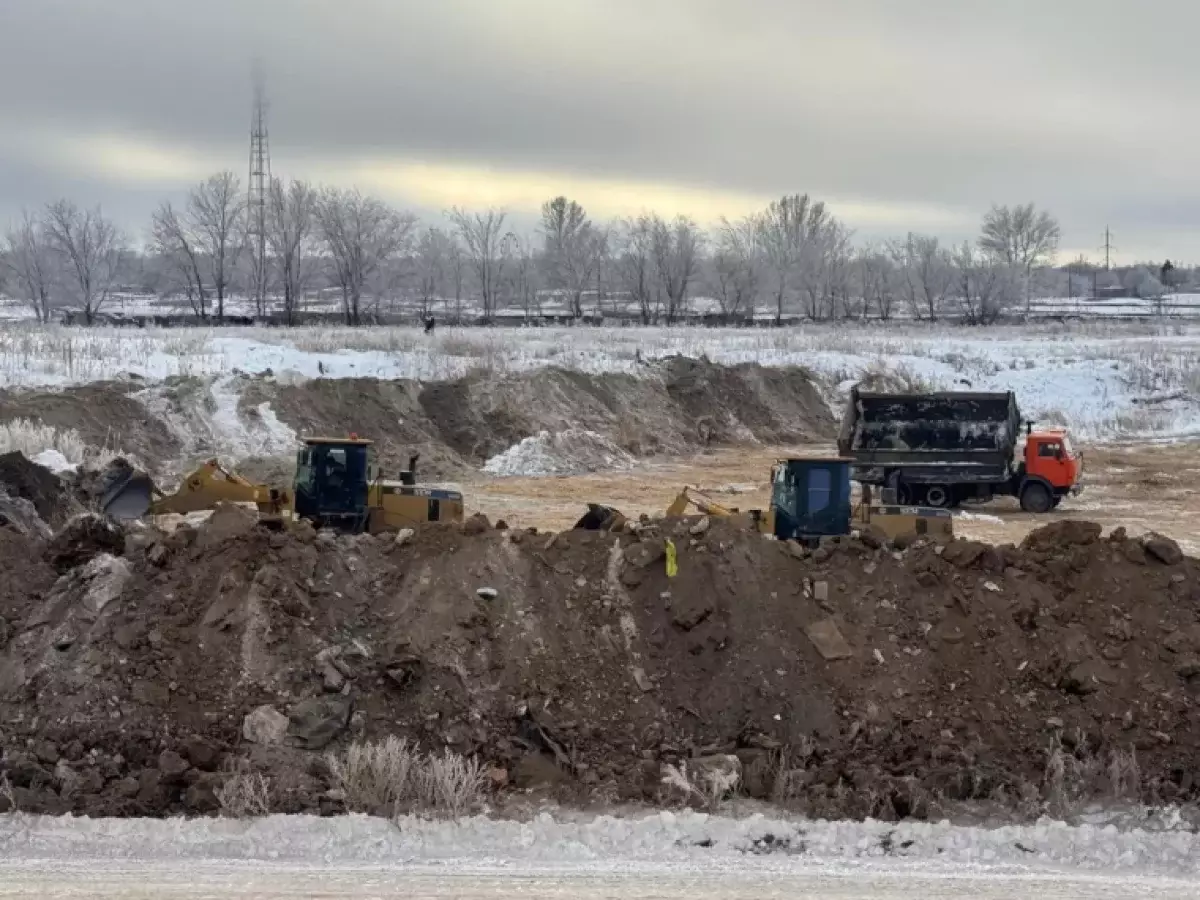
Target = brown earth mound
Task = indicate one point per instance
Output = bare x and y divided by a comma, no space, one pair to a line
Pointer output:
853,680
19,477
674,406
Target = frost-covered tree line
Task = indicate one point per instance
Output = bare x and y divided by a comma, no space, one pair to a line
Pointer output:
793,257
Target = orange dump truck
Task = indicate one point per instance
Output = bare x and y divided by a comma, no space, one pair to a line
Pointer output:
944,449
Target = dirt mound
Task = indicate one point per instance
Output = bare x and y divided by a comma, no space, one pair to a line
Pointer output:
852,680
21,478
84,538
673,407
104,414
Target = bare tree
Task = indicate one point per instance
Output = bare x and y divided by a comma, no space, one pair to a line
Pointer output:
214,216
635,266
360,235
676,248
28,260
737,266
1021,236
433,261
925,273
89,247
481,235
788,229
521,266
984,284
173,241
877,282
573,248
291,215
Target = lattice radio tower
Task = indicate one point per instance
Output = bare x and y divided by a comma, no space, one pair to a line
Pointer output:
259,185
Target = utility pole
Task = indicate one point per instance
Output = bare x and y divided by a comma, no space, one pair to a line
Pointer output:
1108,248
257,188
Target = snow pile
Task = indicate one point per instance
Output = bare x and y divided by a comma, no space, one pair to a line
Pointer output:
983,518
572,452
661,841
54,461
207,418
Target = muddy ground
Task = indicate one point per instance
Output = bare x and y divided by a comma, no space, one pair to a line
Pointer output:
858,679
1143,487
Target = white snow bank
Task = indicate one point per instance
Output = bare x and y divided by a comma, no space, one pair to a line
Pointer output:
572,452
684,840
54,461
979,517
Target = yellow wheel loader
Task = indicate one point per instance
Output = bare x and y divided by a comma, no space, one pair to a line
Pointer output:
810,499
336,485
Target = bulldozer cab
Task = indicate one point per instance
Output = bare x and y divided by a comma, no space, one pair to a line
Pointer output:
810,497
332,480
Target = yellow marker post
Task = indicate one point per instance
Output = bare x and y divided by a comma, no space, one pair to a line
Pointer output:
672,565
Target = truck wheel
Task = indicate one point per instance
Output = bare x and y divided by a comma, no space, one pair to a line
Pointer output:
937,496
1036,498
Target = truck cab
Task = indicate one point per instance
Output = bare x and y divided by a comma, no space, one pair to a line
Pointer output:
1050,459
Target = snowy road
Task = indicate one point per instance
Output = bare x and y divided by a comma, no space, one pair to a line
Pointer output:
245,881
575,855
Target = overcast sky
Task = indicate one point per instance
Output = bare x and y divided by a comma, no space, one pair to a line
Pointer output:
902,114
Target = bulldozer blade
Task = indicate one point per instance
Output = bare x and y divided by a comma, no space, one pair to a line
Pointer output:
130,498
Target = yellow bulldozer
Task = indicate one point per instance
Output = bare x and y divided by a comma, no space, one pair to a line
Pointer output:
336,485
810,499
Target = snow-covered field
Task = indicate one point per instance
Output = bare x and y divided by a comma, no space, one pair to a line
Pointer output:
658,855
1105,381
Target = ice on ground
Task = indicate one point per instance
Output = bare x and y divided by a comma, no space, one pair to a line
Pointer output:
54,461
575,451
978,517
685,841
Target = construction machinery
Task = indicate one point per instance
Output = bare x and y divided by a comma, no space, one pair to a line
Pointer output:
810,499
944,449
336,485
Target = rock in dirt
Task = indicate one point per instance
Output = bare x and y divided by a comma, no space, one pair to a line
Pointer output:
172,766
643,553
265,725
700,527
964,553
201,754
403,536
828,639
316,723
1063,533
228,521
1188,667
84,538
20,514
1085,678
1163,549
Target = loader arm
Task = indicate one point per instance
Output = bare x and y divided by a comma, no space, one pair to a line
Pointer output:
704,504
206,487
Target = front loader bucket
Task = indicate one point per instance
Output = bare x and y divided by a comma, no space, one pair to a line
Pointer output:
129,498
600,518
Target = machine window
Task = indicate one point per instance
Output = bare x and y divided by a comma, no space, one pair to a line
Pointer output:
1049,449
820,489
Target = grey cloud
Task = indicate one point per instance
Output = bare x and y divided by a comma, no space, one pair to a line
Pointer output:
953,103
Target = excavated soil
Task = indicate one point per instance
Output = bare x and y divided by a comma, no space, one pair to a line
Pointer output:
103,413
858,679
26,480
673,406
